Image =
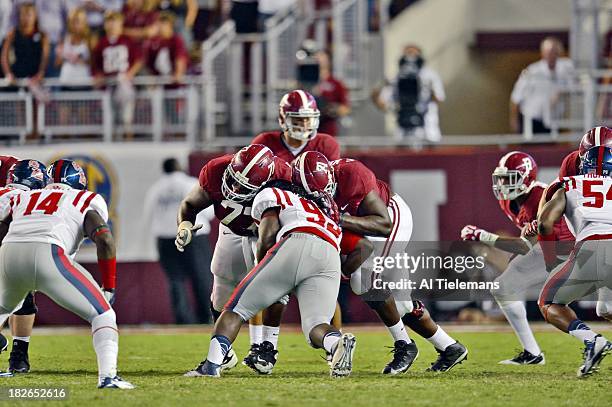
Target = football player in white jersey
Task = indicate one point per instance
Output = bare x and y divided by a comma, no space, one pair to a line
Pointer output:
586,201
297,251
45,229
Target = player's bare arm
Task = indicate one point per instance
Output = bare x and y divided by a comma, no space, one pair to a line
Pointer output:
99,232
268,228
374,219
551,212
196,201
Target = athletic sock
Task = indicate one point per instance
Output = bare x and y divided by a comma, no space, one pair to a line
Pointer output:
256,333
330,341
219,346
441,340
580,330
21,343
106,343
270,334
22,338
398,332
516,314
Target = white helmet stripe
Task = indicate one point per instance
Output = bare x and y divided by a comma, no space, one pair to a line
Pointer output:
254,161
502,161
302,172
598,135
304,98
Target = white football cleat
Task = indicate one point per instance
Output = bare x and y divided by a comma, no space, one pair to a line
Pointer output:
230,361
115,383
342,360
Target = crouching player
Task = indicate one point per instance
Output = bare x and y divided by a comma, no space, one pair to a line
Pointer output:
45,229
297,251
586,201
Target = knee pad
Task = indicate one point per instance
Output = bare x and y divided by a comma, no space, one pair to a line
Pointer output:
28,307
107,319
604,309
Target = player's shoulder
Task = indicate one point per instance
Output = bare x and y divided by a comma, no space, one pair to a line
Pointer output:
350,167
570,165
325,139
215,167
267,137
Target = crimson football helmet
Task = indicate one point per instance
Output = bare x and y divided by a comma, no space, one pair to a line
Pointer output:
597,136
249,170
6,162
314,173
514,175
298,115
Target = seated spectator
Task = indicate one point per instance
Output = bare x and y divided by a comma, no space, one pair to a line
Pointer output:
73,54
166,53
185,12
25,52
117,57
139,19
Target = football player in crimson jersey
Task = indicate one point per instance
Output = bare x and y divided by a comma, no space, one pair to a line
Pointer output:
22,320
369,208
518,193
586,202
230,183
298,117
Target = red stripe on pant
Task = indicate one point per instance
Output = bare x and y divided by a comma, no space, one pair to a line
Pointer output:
396,223
556,282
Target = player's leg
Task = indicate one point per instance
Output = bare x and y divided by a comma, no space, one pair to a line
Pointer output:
272,278
22,323
69,285
582,274
523,274
318,282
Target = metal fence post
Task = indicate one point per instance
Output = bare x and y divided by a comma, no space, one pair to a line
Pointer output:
107,116
256,85
235,66
157,110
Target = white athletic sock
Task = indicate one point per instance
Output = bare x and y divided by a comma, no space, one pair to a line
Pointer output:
219,346
516,314
106,343
21,338
270,334
256,333
330,340
398,332
441,340
580,330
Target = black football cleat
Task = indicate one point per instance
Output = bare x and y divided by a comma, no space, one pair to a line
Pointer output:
404,355
249,359
525,358
594,352
19,361
448,358
265,359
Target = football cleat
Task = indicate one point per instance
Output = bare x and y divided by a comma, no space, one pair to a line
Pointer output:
115,383
525,358
594,352
342,360
3,343
6,374
206,369
230,361
404,355
449,357
249,359
265,358
19,361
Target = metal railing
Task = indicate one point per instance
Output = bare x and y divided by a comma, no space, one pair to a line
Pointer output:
590,20
349,31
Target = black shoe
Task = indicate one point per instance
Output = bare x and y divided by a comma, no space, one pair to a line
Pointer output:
19,361
265,358
404,355
3,343
249,359
451,356
525,358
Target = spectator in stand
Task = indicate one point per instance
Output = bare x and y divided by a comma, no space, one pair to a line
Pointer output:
166,53
332,96
185,12
95,13
536,92
25,52
139,19
74,53
117,57
208,18
244,13
6,11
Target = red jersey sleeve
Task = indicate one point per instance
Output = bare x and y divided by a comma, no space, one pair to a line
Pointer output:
212,173
136,52
529,209
180,51
355,181
570,166
329,147
282,169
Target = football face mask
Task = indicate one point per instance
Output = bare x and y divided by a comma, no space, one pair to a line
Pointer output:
508,185
302,125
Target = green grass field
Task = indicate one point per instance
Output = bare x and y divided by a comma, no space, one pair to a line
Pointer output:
156,362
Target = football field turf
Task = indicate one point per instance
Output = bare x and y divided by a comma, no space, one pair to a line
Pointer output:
155,361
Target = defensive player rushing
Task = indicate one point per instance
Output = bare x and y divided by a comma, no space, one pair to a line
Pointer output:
586,201
22,321
297,251
518,194
230,183
45,229
369,208
298,118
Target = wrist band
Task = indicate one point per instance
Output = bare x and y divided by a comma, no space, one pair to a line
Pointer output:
108,268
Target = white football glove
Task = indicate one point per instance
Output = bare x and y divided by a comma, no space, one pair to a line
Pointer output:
184,234
471,232
109,294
